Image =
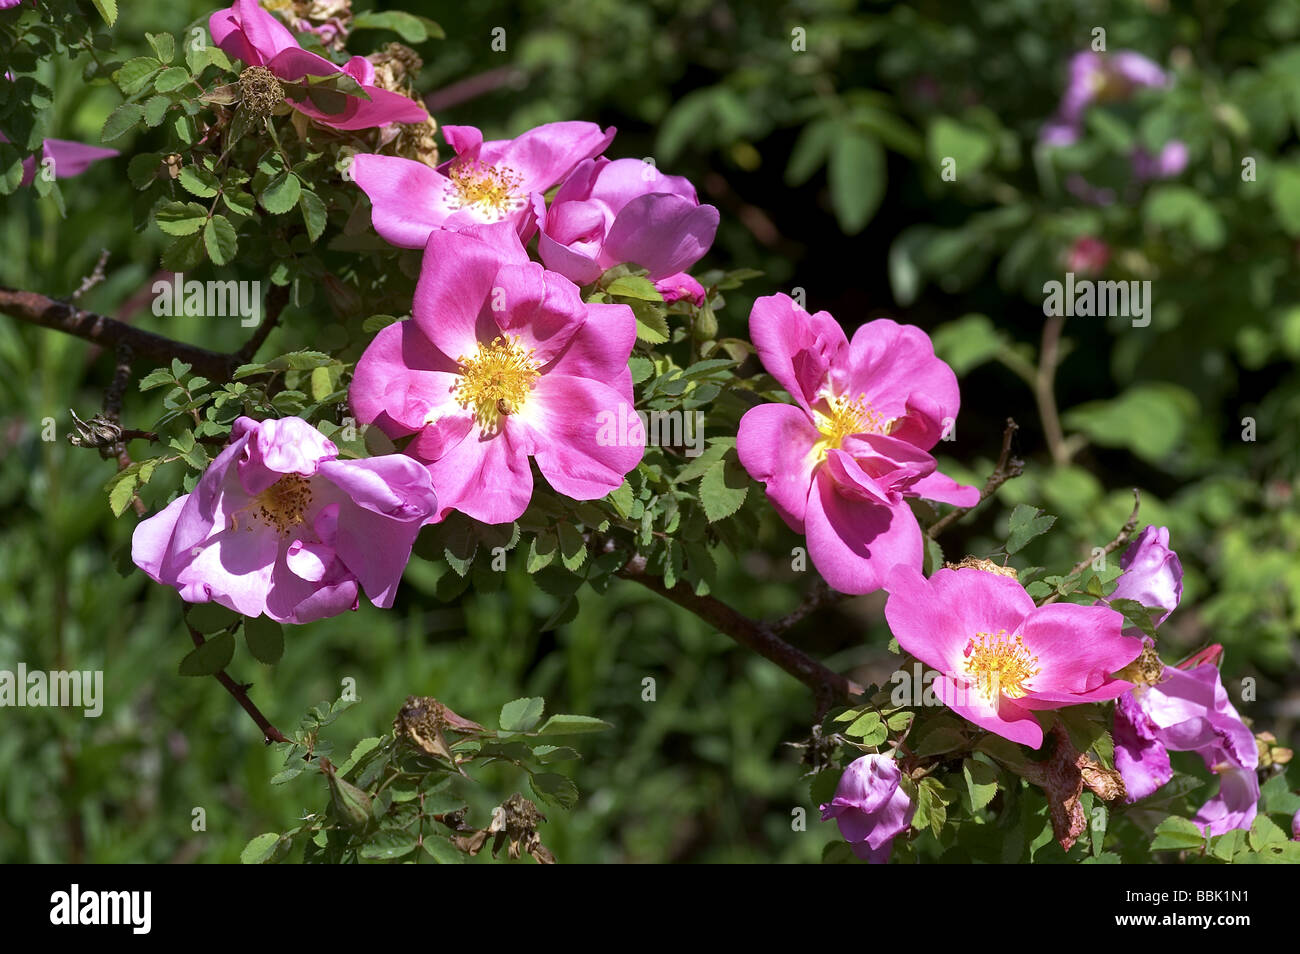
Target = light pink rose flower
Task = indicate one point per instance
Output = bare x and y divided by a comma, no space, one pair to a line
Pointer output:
277,525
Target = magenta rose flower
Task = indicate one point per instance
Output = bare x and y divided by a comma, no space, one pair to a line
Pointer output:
841,462
1169,162
246,32
1000,657
277,525
1098,78
68,158
681,286
503,361
623,212
486,183
1153,574
870,807
1189,712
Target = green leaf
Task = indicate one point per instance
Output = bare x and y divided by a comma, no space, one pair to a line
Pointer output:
1179,208
184,253
573,549
260,849
573,725
121,490
164,44
651,325
313,214
389,844
210,617
181,218
281,193
199,181
442,851
210,658
132,74
107,9
555,789
521,714
410,28
1026,523
981,782
969,147
155,110
265,639
634,286
968,342
120,120
723,489
220,240
1150,419
810,151
1177,834
378,322
1285,196
174,77
857,177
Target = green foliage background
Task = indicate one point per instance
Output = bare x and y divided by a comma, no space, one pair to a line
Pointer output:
824,164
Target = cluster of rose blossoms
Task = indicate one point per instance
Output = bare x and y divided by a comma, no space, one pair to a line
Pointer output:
1046,657
502,361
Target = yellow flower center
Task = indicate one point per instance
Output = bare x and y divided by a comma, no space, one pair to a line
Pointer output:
282,506
999,665
496,381
491,190
846,416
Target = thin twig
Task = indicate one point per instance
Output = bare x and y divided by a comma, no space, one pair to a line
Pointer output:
240,694
1121,538
1008,467
1045,390
94,278
828,686
37,309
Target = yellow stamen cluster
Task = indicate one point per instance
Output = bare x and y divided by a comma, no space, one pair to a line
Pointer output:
846,416
496,381
492,190
284,504
1000,665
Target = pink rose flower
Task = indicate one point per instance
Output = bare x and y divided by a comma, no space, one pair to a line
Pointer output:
1189,712
623,212
870,807
681,286
68,158
503,361
246,32
487,182
277,525
999,656
840,464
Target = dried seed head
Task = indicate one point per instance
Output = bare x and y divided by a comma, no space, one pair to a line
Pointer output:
260,91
